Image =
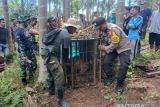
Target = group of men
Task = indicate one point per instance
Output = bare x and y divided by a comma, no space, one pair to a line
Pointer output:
137,20
122,43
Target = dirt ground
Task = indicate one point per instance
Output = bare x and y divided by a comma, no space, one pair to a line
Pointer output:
141,90
137,90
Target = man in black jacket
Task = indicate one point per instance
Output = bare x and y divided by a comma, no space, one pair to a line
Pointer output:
53,40
3,38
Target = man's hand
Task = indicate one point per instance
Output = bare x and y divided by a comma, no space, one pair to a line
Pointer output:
102,47
75,36
33,32
27,60
2,67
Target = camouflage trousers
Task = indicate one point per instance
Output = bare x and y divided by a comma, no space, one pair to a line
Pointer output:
27,68
55,74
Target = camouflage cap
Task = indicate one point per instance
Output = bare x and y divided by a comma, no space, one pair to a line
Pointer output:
22,18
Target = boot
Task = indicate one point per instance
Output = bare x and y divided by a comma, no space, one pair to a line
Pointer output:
51,88
151,46
119,88
156,48
51,91
60,100
24,81
108,81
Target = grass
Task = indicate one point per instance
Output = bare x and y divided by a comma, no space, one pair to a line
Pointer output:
146,56
12,92
141,59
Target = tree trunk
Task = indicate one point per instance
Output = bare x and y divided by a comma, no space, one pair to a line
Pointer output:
88,10
108,5
6,16
66,9
49,6
22,7
129,4
42,8
120,12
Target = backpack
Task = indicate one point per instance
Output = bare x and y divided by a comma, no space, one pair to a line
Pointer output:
50,36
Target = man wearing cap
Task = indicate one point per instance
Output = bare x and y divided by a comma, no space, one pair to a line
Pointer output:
126,20
33,33
24,49
146,13
60,41
118,45
30,32
13,26
3,38
52,22
135,26
112,18
82,22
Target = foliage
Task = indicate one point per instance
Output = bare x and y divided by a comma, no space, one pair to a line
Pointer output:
30,8
75,7
12,92
151,3
148,55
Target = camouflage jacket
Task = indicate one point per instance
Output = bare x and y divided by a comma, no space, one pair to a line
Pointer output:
23,41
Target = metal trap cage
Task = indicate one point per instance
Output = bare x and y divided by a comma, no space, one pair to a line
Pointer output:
83,62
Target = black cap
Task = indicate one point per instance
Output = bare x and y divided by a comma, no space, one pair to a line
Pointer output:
22,18
50,18
99,21
128,8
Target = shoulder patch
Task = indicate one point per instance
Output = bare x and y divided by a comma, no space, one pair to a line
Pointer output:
115,38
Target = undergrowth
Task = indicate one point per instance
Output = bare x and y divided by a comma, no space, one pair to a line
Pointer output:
12,93
146,56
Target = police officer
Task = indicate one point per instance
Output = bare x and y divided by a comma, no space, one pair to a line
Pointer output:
53,56
25,50
118,46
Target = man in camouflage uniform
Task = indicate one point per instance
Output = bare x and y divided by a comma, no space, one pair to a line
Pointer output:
25,51
61,38
30,32
30,28
118,45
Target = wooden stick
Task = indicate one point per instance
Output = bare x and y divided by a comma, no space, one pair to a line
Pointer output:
100,63
153,73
